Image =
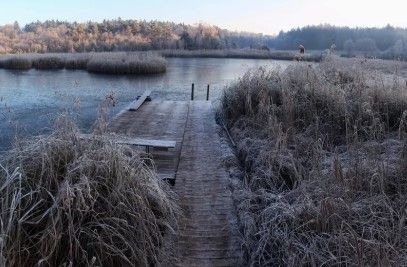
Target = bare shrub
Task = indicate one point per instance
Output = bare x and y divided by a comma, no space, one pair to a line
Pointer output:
69,202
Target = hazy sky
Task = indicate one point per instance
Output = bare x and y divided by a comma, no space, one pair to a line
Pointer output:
266,16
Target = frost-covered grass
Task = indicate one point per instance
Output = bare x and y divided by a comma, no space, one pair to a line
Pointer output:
242,53
127,63
69,202
104,63
324,155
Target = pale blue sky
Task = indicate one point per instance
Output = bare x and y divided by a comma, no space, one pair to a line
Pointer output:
266,16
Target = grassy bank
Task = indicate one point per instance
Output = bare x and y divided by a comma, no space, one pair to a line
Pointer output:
69,202
103,63
323,151
241,53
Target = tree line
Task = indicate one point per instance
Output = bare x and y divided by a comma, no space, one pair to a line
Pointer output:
132,35
120,35
386,42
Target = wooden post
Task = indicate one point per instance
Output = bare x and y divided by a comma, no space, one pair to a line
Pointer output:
192,92
207,93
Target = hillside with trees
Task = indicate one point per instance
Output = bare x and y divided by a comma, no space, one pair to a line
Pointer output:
388,42
132,35
121,35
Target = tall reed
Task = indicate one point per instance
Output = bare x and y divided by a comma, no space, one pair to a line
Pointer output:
241,53
324,169
17,63
127,63
69,202
49,63
104,63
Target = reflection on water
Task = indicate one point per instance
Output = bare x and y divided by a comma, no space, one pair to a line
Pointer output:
29,100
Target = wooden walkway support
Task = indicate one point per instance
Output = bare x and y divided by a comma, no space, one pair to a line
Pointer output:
193,92
148,143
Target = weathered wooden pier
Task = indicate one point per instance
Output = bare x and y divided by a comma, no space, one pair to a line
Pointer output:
208,235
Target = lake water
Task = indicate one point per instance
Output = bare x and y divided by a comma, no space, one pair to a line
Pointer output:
29,100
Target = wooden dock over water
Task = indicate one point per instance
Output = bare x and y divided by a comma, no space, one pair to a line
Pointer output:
208,234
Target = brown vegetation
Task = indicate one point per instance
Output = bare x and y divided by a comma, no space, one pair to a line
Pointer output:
69,202
120,35
324,169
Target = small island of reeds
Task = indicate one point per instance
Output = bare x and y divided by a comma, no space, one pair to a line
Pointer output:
134,63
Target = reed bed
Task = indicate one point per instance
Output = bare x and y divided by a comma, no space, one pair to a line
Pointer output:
104,63
37,61
69,202
323,150
127,63
77,61
242,53
16,63
49,63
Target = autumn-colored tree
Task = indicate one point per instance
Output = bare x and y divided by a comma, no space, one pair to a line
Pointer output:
119,34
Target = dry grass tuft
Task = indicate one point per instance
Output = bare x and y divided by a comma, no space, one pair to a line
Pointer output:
325,168
68,202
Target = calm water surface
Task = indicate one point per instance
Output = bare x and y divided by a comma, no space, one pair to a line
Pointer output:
29,100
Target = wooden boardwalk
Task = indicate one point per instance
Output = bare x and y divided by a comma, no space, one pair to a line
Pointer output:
164,120
208,235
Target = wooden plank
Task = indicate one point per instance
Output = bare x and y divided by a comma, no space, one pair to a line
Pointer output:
135,105
132,141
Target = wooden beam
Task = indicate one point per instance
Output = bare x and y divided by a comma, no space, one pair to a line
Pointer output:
135,105
131,141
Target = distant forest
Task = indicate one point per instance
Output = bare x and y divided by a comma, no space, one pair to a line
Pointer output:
388,42
131,35
120,35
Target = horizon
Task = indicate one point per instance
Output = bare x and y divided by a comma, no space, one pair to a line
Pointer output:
261,16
